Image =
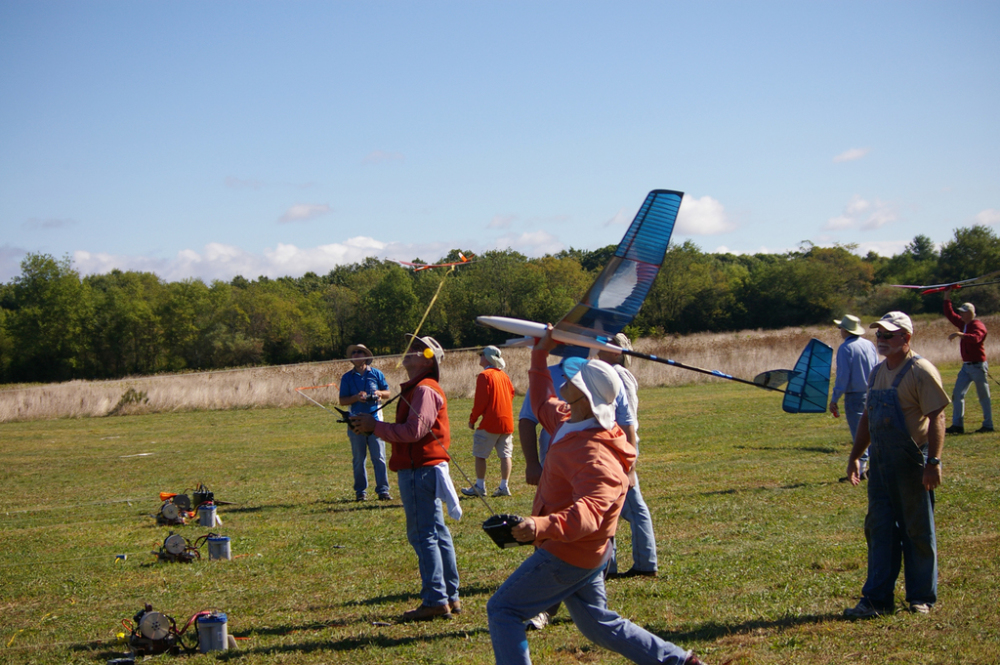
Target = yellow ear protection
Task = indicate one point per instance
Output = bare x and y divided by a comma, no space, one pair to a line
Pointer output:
428,353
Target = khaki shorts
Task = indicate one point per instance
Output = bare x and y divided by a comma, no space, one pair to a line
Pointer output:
483,442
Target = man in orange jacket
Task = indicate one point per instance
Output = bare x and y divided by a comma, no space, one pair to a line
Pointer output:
494,403
574,515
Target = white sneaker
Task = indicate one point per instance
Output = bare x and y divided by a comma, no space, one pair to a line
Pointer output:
920,608
539,621
502,491
473,491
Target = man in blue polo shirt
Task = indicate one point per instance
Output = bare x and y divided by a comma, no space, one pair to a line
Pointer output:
363,388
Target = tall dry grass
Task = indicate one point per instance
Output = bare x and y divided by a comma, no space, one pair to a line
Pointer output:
742,354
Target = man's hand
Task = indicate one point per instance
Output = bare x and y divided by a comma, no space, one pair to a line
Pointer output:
546,343
952,336
532,473
472,425
363,424
834,410
932,476
524,532
854,472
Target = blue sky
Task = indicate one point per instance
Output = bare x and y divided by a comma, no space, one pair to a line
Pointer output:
209,139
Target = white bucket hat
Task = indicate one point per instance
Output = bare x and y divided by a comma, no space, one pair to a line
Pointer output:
493,357
599,382
851,324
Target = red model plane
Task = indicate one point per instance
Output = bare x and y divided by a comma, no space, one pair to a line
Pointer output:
951,286
417,267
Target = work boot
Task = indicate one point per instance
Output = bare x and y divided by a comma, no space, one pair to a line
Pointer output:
426,613
955,429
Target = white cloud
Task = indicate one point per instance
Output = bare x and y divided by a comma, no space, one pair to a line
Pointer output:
621,218
501,221
49,223
223,261
239,183
839,223
702,217
883,214
987,217
857,205
723,249
536,243
10,262
862,214
851,155
303,212
381,157
885,248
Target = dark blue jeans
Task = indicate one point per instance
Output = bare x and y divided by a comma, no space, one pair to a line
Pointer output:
899,526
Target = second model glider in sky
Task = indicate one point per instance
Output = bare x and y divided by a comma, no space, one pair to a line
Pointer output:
417,267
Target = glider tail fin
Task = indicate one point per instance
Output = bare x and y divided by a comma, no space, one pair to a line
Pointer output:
809,383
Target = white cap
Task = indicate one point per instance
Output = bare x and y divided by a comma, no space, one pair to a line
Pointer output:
894,321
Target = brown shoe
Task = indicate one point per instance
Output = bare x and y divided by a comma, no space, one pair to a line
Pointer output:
456,606
633,572
425,613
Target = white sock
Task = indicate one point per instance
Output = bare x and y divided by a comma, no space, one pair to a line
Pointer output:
503,484
481,483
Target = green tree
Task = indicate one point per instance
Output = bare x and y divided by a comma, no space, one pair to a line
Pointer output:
972,252
49,311
125,336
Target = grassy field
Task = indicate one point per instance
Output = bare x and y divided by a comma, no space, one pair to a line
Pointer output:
760,547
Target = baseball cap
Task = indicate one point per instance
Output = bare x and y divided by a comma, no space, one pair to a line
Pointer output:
894,321
968,307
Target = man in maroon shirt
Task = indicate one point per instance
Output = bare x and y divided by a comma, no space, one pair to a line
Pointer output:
974,366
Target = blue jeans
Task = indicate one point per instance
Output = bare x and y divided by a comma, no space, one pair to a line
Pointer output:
899,526
854,407
972,373
430,538
636,513
371,444
544,580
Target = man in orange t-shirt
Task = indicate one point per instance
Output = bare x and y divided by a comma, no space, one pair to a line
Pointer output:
494,403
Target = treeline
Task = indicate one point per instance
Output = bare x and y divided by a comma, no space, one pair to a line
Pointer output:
56,325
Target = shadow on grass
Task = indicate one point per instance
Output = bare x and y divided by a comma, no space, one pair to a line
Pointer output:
793,486
351,643
713,631
466,592
826,450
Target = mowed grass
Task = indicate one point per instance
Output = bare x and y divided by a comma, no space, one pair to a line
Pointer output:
760,547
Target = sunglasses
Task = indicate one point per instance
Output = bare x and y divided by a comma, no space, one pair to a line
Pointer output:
884,335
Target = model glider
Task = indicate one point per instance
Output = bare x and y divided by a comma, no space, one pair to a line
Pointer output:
417,267
615,298
950,286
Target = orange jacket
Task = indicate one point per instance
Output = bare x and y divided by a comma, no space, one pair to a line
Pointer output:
494,402
584,479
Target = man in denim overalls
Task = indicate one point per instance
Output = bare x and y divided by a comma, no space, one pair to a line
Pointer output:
904,425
